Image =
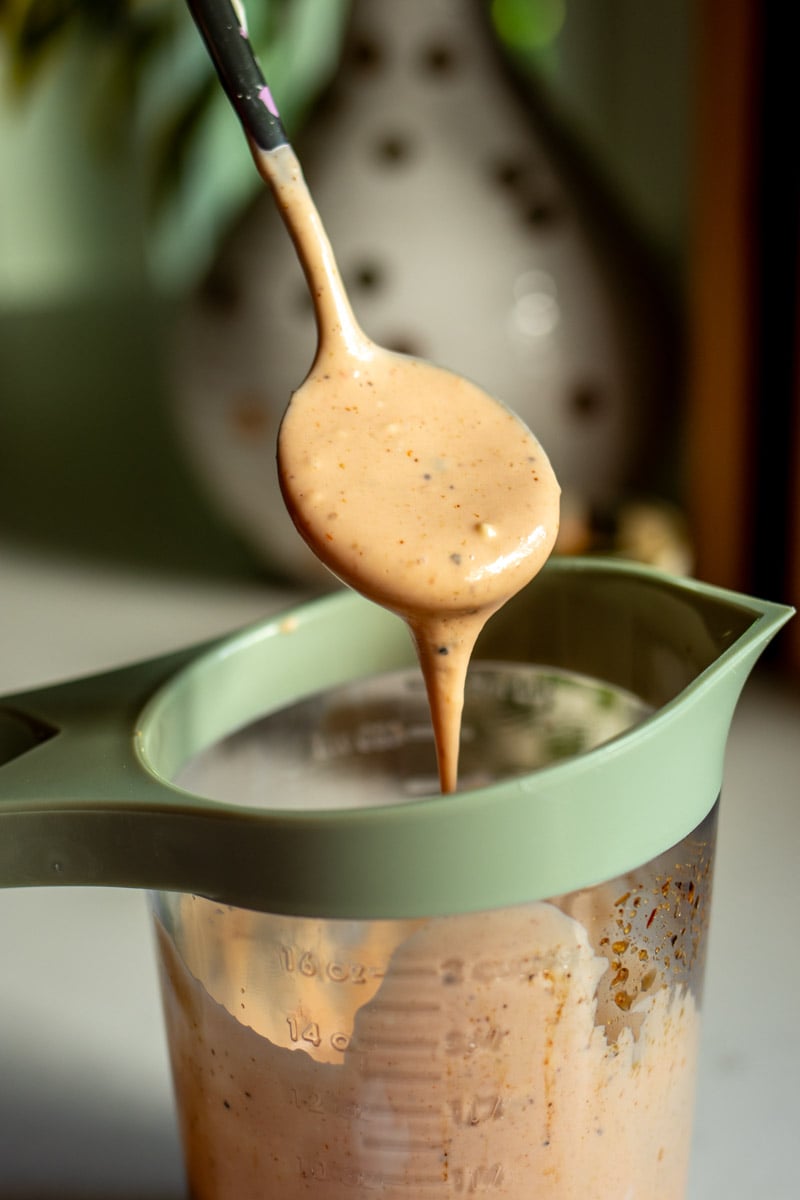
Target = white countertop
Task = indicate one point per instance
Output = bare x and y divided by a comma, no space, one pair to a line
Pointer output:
85,1097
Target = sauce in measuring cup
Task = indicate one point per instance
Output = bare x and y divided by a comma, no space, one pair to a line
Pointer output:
420,1060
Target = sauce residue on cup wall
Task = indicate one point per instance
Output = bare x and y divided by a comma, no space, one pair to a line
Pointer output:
486,1072
410,483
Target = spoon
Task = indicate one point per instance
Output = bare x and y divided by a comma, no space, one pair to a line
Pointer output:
412,485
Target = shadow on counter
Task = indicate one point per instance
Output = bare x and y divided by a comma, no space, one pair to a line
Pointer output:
49,1151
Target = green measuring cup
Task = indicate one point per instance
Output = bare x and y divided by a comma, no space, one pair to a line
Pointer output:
86,783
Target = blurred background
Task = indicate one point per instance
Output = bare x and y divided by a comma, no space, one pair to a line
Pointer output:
588,206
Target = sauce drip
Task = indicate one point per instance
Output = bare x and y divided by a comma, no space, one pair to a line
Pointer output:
409,483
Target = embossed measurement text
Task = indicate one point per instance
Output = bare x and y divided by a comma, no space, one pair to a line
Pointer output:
305,962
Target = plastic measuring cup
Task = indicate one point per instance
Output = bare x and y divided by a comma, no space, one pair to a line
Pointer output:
419,995
494,1051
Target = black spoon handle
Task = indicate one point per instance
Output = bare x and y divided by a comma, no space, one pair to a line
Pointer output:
228,44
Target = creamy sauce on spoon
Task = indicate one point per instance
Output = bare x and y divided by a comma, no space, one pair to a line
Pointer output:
411,484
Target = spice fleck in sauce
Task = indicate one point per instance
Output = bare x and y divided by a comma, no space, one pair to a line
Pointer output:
411,484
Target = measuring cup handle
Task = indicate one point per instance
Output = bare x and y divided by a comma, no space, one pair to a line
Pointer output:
50,723
86,796
68,761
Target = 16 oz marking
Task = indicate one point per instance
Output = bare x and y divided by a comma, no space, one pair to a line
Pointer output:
304,962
